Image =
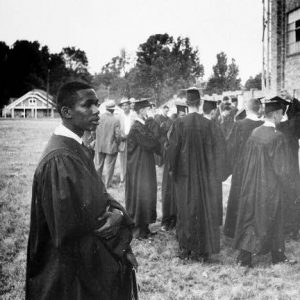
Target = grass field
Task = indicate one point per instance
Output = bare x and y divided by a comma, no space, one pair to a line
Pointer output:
161,274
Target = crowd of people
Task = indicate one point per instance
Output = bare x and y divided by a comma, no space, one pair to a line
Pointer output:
79,242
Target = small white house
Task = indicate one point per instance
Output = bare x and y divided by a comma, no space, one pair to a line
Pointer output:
34,104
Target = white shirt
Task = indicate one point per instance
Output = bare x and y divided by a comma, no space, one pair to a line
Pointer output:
127,122
64,131
269,124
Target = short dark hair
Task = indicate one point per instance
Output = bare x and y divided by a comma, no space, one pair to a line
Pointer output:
67,94
166,106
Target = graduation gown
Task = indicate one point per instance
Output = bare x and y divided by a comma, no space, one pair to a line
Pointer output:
235,145
291,130
266,170
65,259
193,159
141,184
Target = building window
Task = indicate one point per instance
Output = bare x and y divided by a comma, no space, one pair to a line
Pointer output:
32,101
294,32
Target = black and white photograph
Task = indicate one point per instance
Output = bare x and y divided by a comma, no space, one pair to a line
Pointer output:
149,150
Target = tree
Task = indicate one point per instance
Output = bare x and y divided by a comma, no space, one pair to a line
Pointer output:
4,91
253,83
225,77
233,83
27,67
112,81
163,66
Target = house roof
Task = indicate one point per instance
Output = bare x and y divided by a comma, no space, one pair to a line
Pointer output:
36,93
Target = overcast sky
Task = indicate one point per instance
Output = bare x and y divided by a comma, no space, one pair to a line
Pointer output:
101,28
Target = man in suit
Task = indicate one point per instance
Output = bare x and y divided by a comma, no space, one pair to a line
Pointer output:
108,137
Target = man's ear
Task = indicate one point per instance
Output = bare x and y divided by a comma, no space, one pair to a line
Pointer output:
66,112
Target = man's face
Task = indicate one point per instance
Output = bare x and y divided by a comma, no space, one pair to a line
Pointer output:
126,107
166,110
85,114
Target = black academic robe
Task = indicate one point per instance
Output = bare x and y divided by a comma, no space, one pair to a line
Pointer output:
169,210
291,130
193,159
235,145
266,170
141,184
65,259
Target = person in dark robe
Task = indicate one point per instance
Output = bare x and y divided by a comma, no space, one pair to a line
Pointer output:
169,211
165,123
141,184
192,155
266,174
235,145
210,112
290,127
79,239
225,119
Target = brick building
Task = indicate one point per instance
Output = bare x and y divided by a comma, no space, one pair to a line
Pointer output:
282,46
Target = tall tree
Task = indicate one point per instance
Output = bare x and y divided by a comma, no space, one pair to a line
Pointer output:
4,91
253,83
165,65
225,77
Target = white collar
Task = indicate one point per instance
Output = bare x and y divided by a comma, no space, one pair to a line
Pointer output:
64,131
140,120
252,116
269,124
208,117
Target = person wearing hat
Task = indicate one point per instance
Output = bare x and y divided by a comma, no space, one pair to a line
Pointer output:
126,120
266,174
235,145
108,137
193,160
290,127
210,108
141,184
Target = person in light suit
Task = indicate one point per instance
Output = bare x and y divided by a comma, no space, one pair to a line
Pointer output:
108,137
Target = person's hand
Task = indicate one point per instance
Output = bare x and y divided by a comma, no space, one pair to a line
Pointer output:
130,257
286,95
111,225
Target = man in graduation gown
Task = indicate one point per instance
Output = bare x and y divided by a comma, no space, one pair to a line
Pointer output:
290,127
193,154
169,211
235,145
79,240
266,174
210,112
141,184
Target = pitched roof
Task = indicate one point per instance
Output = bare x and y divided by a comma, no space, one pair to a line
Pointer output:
36,93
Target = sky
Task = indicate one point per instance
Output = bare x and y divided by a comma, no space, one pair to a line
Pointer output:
102,27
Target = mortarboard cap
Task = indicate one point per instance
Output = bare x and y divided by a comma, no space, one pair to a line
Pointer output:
142,103
209,105
274,103
192,96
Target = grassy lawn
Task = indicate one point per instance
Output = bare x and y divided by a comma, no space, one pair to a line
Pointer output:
161,275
